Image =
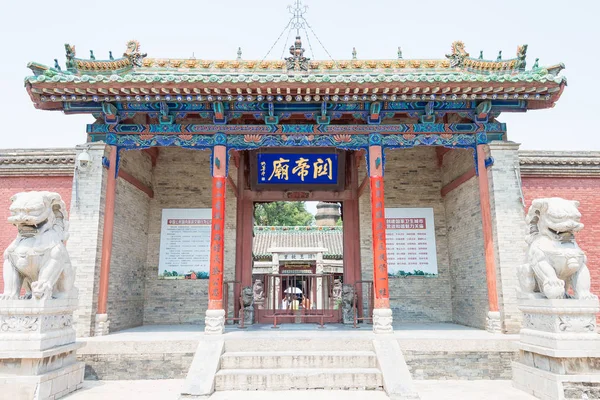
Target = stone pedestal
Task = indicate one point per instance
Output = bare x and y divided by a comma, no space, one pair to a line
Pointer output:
559,349
214,322
382,320
493,322
102,325
38,349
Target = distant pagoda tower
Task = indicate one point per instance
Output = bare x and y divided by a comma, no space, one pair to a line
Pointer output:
328,214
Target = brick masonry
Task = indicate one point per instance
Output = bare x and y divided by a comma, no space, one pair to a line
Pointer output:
508,221
125,306
135,366
459,365
412,179
465,242
85,241
182,180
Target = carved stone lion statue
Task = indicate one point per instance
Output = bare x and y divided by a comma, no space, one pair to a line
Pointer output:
247,297
555,263
38,258
336,291
247,305
259,291
347,304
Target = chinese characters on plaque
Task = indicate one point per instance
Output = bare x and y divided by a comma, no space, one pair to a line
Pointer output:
295,168
184,242
298,256
410,239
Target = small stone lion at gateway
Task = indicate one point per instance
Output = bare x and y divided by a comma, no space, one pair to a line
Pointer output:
555,263
38,258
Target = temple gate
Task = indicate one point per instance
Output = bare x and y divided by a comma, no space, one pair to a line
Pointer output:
373,114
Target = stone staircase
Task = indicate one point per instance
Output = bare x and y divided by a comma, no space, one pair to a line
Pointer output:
298,364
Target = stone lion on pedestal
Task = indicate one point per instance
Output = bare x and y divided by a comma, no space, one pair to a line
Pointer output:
247,305
555,263
38,258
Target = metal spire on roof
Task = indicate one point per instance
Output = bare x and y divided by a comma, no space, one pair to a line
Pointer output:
297,11
297,21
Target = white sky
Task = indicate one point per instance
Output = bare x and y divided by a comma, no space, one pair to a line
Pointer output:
556,31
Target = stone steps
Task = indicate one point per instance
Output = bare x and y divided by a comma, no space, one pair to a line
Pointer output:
298,359
299,379
297,363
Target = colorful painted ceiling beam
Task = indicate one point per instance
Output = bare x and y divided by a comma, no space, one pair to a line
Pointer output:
137,78
249,142
211,129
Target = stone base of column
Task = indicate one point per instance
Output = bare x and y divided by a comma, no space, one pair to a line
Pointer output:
382,320
101,325
493,323
38,349
214,322
559,349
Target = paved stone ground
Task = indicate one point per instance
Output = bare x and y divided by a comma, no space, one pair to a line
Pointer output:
169,390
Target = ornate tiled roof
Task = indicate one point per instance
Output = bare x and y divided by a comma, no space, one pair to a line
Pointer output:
559,163
38,162
330,237
136,77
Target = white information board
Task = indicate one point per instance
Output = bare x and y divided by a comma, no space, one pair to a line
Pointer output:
410,239
184,242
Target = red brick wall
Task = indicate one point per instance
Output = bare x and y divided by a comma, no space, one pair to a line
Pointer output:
587,192
12,185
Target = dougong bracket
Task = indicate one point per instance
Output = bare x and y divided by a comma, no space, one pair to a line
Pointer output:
111,116
323,119
271,119
374,113
482,112
165,118
428,116
219,113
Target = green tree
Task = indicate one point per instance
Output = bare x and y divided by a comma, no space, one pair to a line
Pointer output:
282,213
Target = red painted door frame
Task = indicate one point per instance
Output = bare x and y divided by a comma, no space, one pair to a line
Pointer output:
245,220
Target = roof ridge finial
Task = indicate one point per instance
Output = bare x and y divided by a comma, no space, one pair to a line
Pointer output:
499,58
239,54
56,65
110,56
92,57
297,61
399,53
354,53
481,54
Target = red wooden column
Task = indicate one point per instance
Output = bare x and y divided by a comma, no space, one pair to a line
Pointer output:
382,314
215,315
488,241
351,232
101,325
244,231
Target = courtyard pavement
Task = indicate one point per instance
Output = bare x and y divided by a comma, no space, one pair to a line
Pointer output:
169,390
